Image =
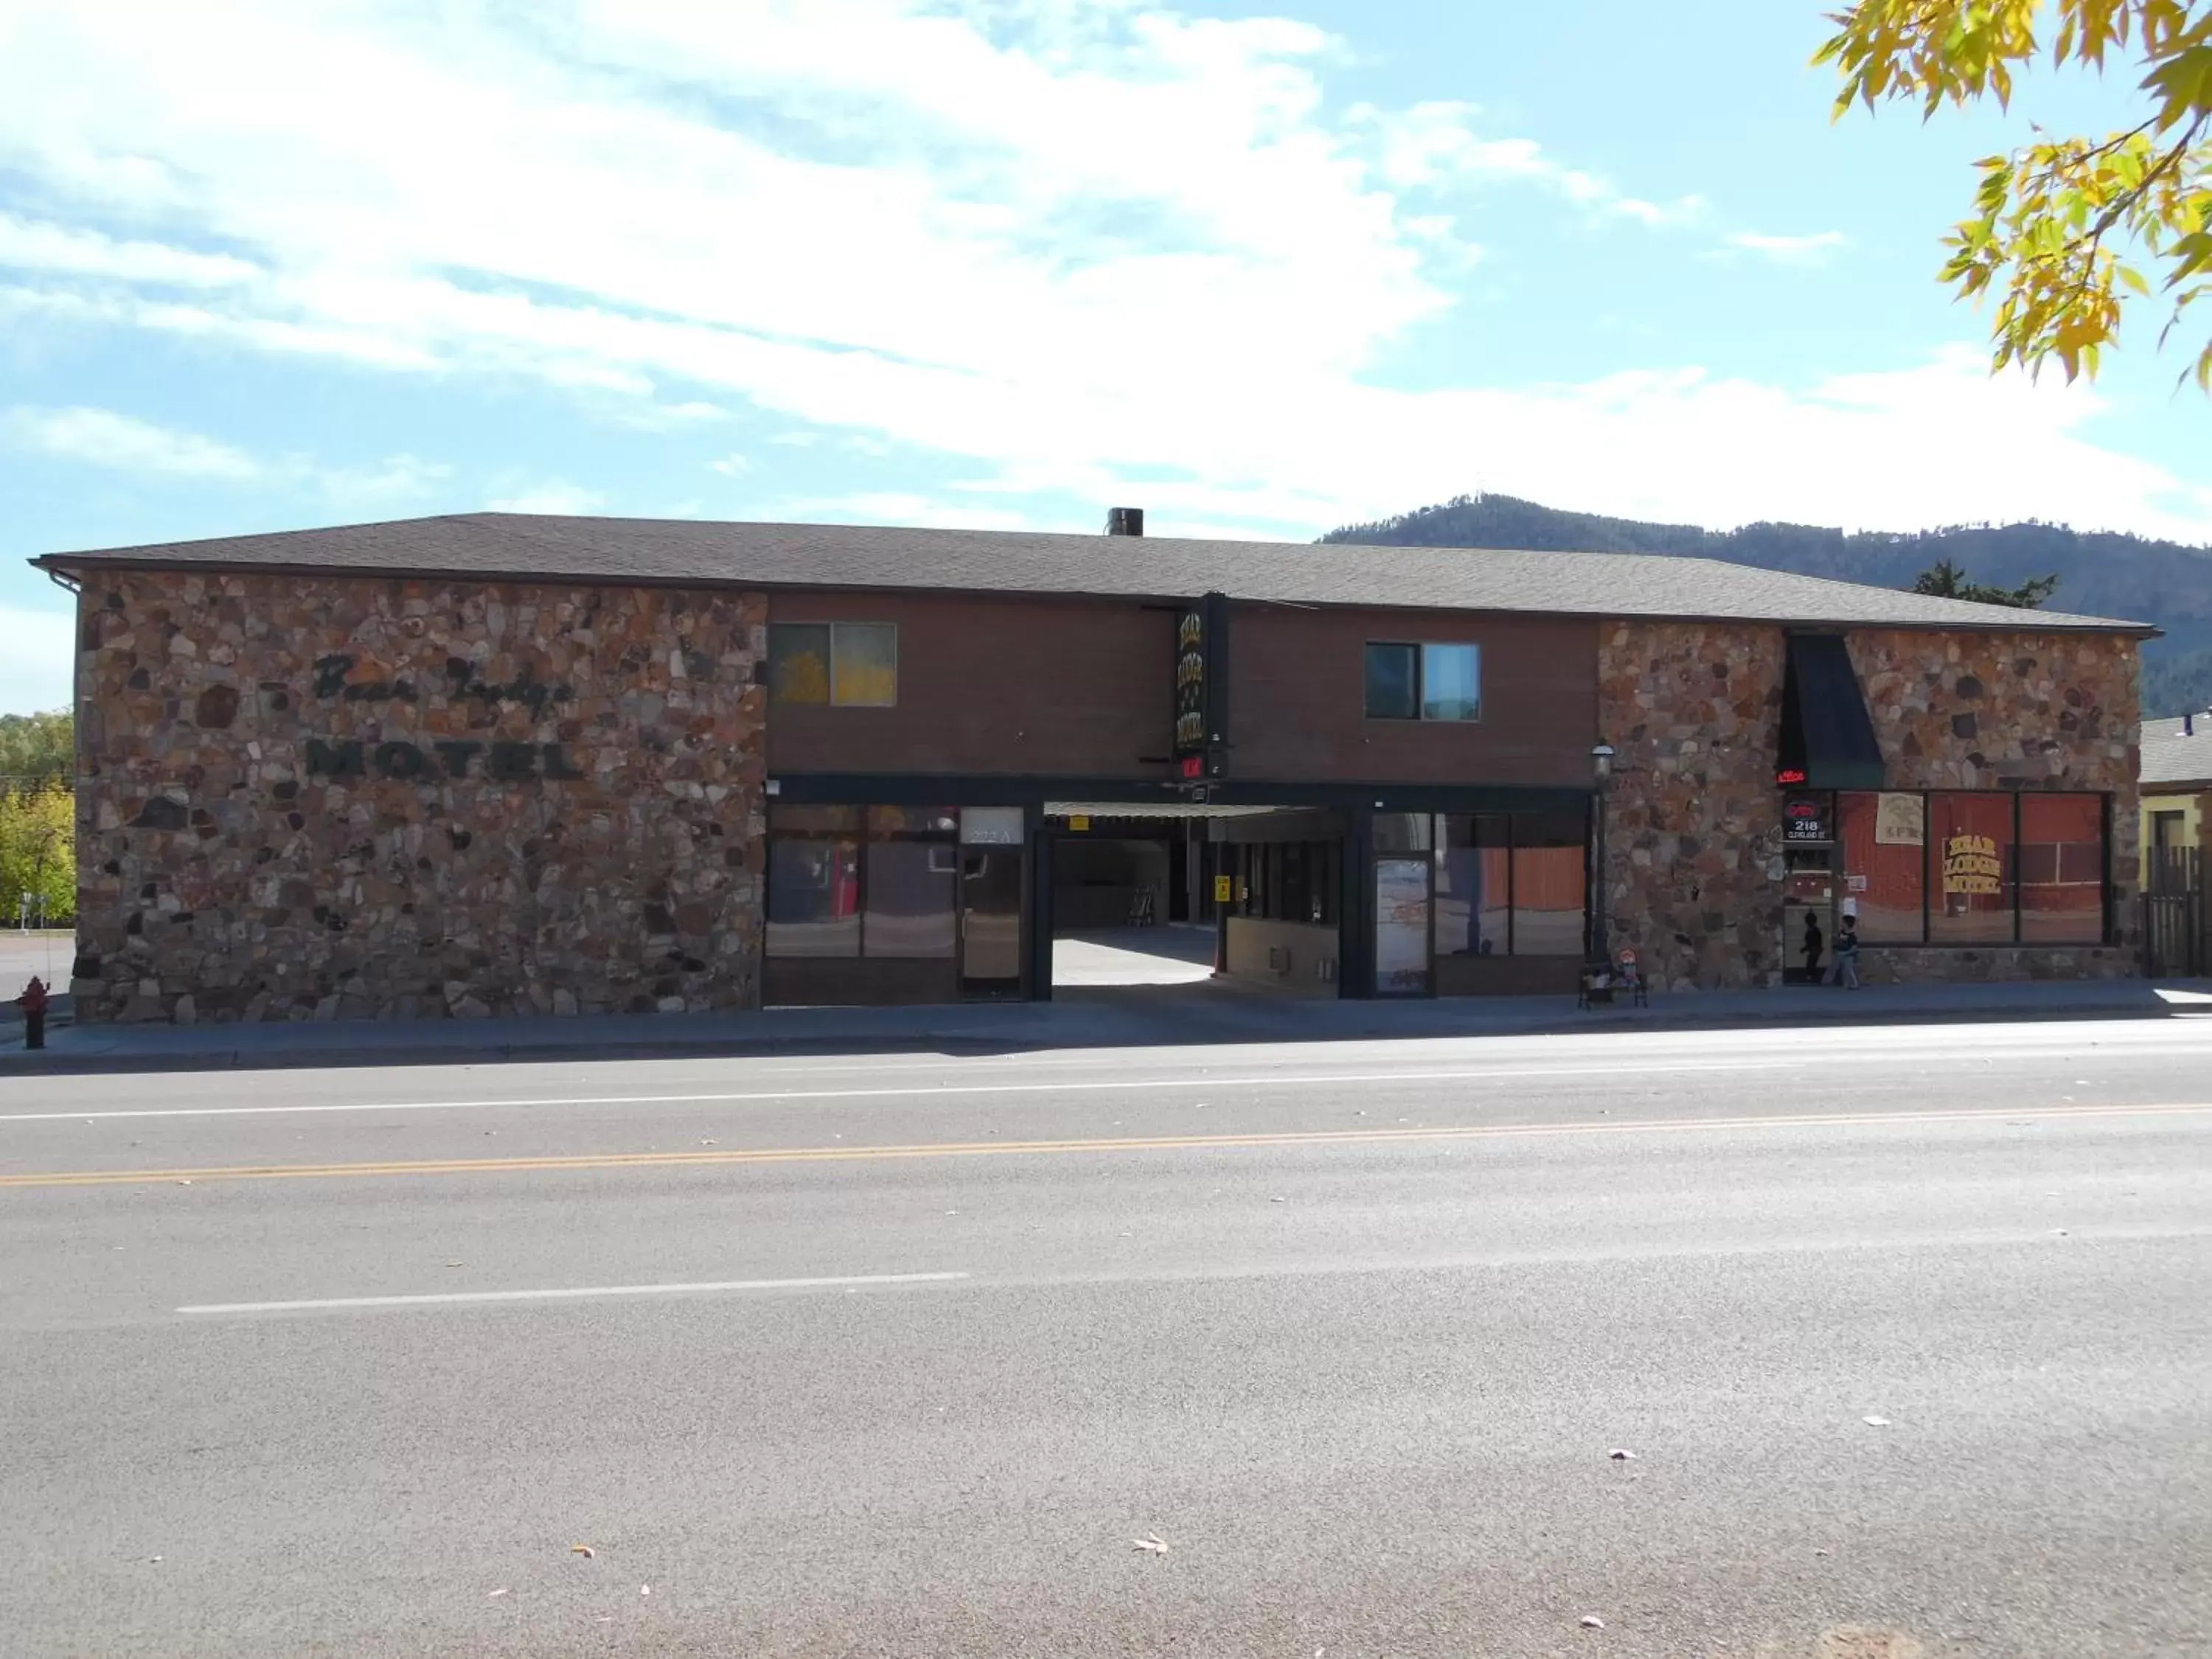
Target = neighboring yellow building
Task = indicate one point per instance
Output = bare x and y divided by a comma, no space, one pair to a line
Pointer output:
2177,829
2177,783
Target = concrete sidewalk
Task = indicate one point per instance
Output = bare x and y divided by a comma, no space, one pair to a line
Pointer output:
1192,1015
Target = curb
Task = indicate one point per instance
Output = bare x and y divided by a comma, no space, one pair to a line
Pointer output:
49,1063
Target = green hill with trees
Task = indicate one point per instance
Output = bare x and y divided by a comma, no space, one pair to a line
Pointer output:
2101,574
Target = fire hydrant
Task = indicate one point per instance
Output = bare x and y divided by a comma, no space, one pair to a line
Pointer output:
33,1002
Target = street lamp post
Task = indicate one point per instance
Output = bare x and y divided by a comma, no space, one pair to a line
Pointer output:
1602,764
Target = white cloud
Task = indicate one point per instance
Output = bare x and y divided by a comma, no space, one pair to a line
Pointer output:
1050,248
1440,145
123,443
31,246
1807,249
38,659
1683,210
905,508
667,417
553,496
732,465
395,482
101,437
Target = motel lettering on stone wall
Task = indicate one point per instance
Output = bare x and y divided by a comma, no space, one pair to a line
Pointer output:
498,764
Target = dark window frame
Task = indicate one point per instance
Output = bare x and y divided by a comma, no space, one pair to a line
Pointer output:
1930,869
1930,872
2020,798
867,829
830,699
1421,648
855,839
1512,846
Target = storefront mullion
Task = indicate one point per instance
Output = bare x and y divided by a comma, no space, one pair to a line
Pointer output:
2018,868
1508,884
1927,882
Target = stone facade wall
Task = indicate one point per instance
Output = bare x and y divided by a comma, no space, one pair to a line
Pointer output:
2011,711
318,799
1694,829
1694,711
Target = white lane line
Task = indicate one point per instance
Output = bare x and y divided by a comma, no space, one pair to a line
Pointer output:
1188,1081
852,1282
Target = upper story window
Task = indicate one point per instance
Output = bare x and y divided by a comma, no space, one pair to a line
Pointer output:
1427,681
854,665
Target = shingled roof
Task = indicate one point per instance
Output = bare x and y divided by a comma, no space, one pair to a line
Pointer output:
479,546
2173,758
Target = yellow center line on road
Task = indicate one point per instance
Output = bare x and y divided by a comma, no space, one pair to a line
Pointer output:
1256,1141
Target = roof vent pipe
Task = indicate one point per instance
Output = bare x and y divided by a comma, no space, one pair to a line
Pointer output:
1125,520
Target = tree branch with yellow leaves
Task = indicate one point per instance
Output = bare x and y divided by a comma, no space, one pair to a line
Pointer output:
2064,228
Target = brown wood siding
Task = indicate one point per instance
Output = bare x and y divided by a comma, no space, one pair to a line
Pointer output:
1298,699
992,684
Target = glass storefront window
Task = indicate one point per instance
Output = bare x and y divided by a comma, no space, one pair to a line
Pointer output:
911,894
2062,869
886,823
1884,839
1954,853
814,898
1970,854
848,881
1550,871
1473,871
1403,832
786,818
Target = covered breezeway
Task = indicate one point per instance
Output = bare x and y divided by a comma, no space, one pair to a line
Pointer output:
1185,896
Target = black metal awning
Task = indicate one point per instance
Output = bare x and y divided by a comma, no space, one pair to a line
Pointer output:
1828,739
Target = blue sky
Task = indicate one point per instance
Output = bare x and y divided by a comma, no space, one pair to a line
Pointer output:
1262,269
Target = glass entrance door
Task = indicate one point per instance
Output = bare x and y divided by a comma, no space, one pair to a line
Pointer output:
991,921
1809,916
1402,927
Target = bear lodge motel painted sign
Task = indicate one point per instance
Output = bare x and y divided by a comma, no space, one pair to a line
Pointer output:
400,759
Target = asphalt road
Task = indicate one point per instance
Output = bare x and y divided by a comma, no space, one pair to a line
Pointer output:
1910,1331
